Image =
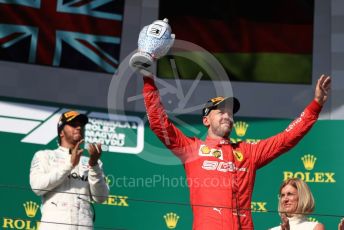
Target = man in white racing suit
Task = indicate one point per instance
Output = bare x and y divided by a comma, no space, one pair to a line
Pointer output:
67,181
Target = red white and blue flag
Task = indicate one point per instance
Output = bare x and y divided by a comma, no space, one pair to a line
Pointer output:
76,34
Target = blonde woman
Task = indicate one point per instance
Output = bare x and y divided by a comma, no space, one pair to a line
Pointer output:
341,224
295,203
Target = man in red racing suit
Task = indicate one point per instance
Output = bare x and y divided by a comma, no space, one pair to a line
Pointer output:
224,171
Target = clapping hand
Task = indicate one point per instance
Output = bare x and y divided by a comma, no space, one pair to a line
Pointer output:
285,222
95,151
76,153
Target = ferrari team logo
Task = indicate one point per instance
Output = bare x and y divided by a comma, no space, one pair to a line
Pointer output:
238,155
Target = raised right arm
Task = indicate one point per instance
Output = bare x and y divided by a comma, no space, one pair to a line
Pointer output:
165,130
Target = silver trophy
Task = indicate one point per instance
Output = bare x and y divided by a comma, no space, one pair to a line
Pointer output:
154,42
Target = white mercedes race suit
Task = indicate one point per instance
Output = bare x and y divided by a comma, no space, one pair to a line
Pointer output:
66,191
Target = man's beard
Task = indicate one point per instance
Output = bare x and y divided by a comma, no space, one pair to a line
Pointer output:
221,132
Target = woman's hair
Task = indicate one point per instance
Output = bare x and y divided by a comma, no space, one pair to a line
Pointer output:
305,204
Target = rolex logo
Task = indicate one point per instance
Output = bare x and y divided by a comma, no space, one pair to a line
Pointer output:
309,161
240,128
31,208
171,220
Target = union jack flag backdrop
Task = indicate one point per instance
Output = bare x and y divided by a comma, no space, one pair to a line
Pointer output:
76,34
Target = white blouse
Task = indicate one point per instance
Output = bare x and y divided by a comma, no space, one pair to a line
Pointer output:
298,223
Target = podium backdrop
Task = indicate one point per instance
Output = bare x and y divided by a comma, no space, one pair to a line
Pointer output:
148,185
